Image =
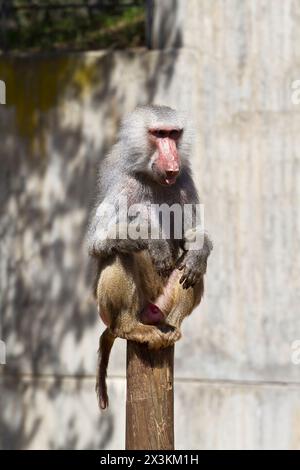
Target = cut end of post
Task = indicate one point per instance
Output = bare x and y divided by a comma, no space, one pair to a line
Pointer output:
150,398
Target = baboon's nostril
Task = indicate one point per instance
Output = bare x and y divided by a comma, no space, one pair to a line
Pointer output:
172,173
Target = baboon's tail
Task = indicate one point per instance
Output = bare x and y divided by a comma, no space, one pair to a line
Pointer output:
105,344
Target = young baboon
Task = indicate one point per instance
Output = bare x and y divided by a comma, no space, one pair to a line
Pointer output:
146,285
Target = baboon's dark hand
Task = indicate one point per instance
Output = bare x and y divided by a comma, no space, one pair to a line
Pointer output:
194,267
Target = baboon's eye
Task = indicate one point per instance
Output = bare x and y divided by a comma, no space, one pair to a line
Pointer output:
163,133
160,133
175,134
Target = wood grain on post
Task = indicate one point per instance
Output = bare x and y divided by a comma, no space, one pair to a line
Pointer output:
150,398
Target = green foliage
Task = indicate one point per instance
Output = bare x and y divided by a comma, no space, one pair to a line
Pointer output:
74,29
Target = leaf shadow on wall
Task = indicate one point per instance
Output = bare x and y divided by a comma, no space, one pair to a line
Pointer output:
61,117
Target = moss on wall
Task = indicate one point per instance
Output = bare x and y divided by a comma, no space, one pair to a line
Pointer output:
37,85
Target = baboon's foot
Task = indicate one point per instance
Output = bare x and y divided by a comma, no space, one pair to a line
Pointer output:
170,336
174,336
142,333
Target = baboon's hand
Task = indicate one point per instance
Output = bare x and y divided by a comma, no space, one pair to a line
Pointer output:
194,262
194,266
161,257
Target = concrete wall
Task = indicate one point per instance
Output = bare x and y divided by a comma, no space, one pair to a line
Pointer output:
231,65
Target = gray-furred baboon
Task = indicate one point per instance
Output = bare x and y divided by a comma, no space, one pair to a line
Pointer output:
146,286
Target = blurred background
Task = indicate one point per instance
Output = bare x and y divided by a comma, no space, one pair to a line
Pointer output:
72,69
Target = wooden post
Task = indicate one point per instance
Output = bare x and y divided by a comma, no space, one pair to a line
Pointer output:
150,398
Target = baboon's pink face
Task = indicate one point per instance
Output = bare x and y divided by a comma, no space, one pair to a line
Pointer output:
165,161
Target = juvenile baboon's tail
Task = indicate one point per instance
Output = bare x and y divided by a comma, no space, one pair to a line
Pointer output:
105,344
